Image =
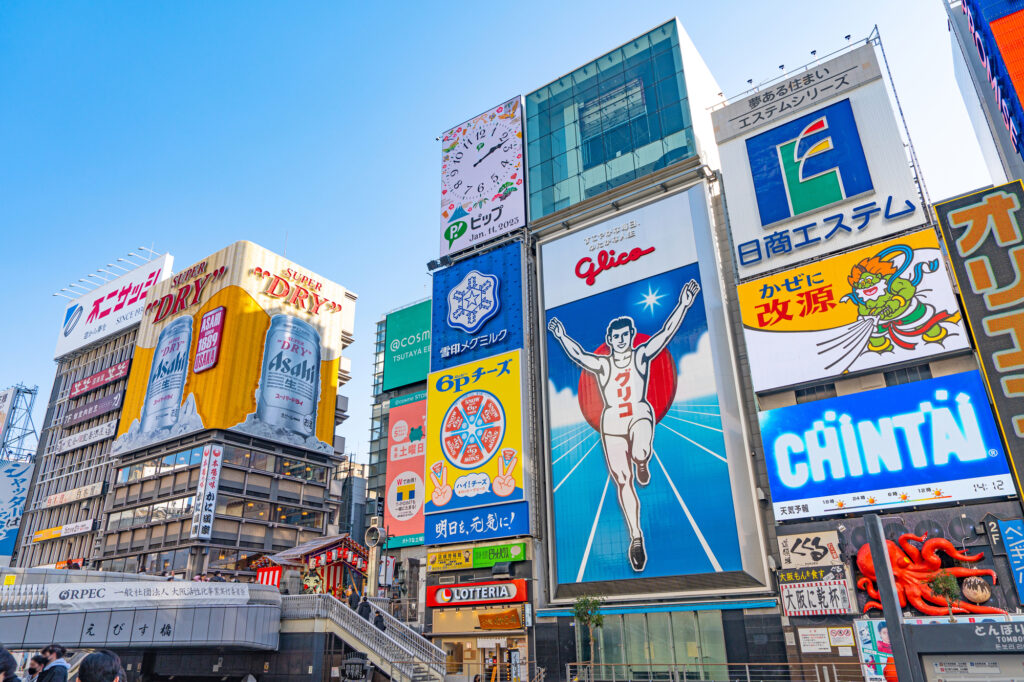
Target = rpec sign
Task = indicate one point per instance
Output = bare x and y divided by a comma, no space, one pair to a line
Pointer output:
926,442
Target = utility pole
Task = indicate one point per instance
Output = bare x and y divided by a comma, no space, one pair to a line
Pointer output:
906,667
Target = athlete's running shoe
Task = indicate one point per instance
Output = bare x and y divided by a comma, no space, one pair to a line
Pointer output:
643,473
637,554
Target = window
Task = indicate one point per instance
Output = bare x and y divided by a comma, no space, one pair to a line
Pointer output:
256,510
808,395
906,375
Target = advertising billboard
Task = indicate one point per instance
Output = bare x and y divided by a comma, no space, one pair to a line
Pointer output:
927,442
15,478
6,410
880,305
491,592
647,455
475,557
478,308
206,492
406,346
67,530
475,449
93,408
99,379
482,170
985,245
407,449
281,337
111,307
814,165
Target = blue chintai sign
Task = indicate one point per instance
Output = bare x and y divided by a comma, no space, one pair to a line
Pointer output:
927,442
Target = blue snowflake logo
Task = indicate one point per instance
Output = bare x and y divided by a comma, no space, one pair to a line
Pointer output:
473,301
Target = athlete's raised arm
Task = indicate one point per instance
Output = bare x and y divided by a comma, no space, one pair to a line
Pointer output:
588,361
657,343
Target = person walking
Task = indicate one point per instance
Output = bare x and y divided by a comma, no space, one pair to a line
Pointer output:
8,667
353,599
35,666
101,666
56,668
217,578
364,609
378,622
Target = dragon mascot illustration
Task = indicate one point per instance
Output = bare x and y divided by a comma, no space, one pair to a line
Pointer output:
890,301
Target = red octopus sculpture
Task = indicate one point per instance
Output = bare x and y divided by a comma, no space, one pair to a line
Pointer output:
912,568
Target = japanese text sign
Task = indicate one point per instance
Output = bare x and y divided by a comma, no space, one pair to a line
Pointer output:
815,598
477,308
809,549
206,492
407,449
1013,539
926,442
101,378
475,446
406,346
86,437
93,408
822,179
888,303
111,307
986,246
470,525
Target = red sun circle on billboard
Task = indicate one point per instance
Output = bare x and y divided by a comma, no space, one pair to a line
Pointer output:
661,386
473,429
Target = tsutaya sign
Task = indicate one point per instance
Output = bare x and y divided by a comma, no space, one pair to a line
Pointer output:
502,592
927,442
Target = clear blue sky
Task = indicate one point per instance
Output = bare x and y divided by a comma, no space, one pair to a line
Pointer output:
190,125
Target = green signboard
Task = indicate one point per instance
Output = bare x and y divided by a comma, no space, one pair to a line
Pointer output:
485,557
407,346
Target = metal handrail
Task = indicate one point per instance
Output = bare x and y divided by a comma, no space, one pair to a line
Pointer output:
431,654
23,598
379,642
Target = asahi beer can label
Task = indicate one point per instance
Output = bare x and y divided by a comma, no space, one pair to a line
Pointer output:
167,376
290,382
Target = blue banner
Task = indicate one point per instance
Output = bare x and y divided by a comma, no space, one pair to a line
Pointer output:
477,308
927,442
471,525
1013,539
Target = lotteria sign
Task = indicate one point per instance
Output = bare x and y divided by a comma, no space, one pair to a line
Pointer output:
927,442
501,592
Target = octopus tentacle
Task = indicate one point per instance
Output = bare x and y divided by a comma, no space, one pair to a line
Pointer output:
963,572
910,549
931,547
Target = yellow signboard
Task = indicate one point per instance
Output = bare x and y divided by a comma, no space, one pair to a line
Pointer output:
892,302
243,340
475,448
451,560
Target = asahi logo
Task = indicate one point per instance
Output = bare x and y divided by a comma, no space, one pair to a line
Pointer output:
300,370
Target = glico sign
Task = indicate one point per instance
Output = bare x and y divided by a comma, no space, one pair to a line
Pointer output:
927,442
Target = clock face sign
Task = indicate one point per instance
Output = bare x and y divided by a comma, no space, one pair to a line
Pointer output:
483,193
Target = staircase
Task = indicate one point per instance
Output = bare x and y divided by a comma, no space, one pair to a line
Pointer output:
398,651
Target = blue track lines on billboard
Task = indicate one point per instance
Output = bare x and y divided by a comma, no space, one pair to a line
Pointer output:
684,496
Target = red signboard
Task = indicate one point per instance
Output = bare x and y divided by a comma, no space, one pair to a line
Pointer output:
494,592
91,383
211,330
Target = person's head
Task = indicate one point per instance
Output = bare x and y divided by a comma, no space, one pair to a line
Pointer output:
217,573
619,336
8,666
883,633
36,664
100,666
54,652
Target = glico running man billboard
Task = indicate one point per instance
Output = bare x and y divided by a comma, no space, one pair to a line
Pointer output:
243,340
648,465
860,310
927,442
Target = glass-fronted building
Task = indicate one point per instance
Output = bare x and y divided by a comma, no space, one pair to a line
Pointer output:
618,118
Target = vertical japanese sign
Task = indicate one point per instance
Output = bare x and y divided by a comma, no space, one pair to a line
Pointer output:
984,241
475,448
206,493
814,165
478,308
863,309
14,481
407,448
1013,539
406,346
6,410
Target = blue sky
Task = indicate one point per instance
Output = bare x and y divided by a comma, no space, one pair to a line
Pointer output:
312,125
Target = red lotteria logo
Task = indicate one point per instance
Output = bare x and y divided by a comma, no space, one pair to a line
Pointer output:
588,270
444,595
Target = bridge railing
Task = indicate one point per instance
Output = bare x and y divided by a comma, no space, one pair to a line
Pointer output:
33,597
424,650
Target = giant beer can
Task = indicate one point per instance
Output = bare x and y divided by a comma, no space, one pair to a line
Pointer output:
167,376
290,383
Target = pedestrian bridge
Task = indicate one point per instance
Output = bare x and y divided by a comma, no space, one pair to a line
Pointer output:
124,611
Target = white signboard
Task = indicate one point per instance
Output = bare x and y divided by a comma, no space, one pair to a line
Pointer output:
840,636
82,596
206,493
483,193
96,433
6,409
74,495
819,548
806,182
814,640
112,307
817,598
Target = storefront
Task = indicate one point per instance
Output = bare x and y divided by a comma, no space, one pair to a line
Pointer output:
481,626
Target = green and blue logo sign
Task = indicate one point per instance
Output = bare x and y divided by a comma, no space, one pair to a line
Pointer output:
808,163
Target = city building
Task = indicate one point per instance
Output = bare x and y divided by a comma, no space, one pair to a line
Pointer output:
226,449
63,519
348,492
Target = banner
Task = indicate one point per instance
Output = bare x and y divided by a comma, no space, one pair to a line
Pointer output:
6,409
206,493
91,596
74,495
102,378
407,448
927,442
475,557
478,308
279,337
406,346
15,478
986,247
68,529
889,303
94,408
482,171
646,446
86,437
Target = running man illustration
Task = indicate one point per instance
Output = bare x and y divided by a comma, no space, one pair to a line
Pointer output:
627,421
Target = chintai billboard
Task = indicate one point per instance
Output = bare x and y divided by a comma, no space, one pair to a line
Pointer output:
650,489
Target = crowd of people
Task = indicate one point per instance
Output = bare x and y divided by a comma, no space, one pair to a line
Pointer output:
361,606
50,665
